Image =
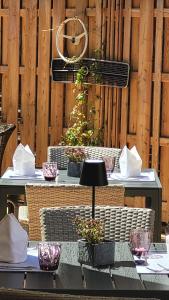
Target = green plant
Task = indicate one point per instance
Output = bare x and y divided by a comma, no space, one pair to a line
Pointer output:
81,129
95,68
75,154
90,229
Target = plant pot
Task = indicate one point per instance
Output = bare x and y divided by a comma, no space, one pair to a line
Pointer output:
96,255
74,168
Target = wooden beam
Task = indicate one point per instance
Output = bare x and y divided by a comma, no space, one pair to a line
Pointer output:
144,79
157,85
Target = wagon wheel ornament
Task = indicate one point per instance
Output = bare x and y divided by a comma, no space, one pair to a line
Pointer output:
75,39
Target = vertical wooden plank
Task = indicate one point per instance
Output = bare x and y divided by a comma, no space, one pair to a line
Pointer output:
108,91
57,92
23,20
106,55
81,14
133,95
92,30
12,95
68,104
4,50
103,54
43,80
118,90
144,79
98,46
5,34
157,84
126,58
116,45
1,34
164,129
70,50
90,52
110,107
29,78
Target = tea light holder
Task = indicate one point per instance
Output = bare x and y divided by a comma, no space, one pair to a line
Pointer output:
49,255
49,170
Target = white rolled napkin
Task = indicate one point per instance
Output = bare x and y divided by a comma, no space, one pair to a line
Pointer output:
130,162
23,161
13,240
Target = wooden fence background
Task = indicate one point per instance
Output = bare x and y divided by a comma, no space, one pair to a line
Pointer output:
135,31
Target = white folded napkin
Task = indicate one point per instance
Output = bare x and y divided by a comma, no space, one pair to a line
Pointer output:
13,240
130,162
23,161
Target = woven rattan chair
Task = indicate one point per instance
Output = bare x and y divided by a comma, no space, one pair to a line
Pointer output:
39,196
57,154
13,294
5,133
58,223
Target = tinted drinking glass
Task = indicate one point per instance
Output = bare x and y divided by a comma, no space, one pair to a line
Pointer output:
49,255
140,241
109,164
49,170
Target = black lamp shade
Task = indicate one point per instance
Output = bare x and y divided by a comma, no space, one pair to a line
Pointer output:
93,173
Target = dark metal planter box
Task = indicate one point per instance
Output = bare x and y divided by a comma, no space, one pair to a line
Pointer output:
74,168
101,254
102,72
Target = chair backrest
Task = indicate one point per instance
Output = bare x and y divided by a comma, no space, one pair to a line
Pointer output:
14,294
5,133
58,223
57,154
43,195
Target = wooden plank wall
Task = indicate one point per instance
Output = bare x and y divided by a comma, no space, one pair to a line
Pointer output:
134,31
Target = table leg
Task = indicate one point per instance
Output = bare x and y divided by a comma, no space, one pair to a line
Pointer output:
3,203
155,202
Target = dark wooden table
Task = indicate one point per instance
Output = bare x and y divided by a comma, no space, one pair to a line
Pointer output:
121,279
152,191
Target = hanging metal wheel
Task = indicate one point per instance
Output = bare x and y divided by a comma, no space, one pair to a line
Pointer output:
75,39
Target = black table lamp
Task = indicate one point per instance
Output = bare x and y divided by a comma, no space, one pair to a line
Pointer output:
93,174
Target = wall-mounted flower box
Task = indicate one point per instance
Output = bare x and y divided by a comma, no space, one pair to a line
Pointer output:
102,72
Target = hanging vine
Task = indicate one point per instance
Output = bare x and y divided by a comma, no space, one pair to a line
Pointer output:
81,128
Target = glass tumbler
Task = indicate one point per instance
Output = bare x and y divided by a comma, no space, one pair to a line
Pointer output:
109,164
140,241
49,255
49,170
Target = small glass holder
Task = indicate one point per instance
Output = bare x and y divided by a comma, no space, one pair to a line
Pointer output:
49,170
109,164
49,255
140,241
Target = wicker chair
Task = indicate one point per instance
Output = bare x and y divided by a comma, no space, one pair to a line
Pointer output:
57,154
58,223
5,133
42,195
13,294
